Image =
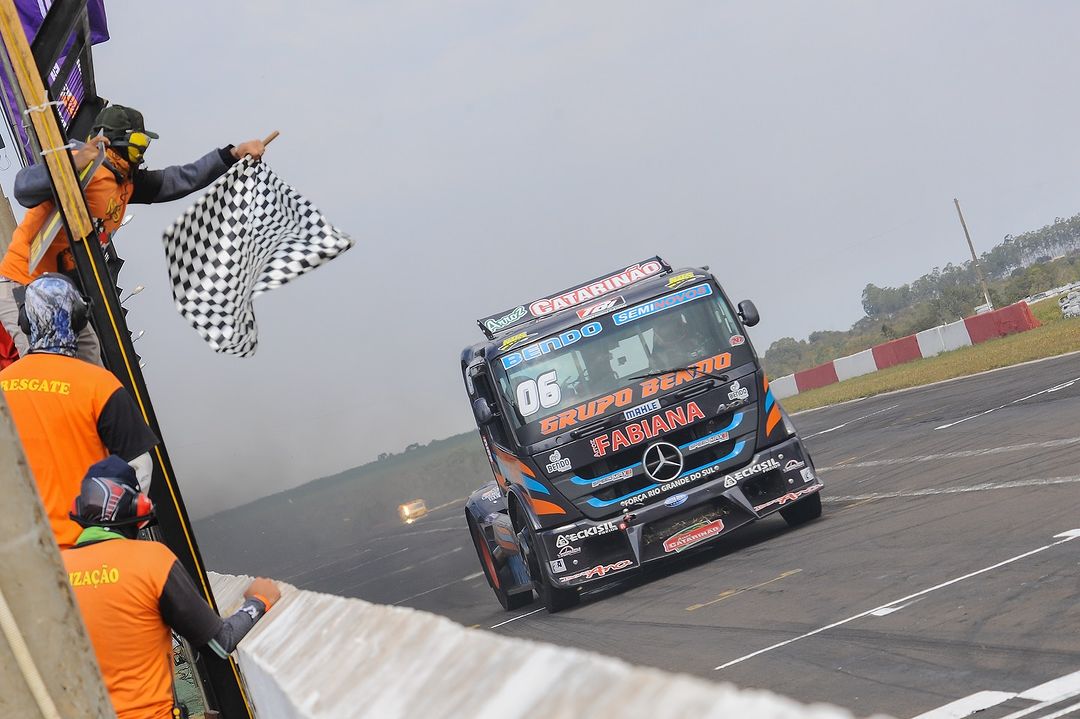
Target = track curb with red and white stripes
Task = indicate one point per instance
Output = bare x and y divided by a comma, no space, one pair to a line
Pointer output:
928,343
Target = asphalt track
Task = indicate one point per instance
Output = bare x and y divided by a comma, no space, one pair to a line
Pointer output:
937,579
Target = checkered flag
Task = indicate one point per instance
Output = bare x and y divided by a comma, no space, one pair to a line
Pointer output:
249,233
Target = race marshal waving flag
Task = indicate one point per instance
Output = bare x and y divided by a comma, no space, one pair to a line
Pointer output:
250,232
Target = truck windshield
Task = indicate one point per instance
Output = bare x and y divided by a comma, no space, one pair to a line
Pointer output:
603,365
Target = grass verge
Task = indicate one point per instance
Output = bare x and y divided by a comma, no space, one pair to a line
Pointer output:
1056,336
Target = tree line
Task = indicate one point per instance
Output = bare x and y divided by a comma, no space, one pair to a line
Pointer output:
1018,267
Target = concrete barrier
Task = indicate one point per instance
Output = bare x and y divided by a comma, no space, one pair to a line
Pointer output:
317,656
784,386
820,376
854,365
897,352
955,335
930,342
1006,321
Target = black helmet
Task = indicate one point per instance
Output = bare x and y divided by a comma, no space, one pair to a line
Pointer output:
110,497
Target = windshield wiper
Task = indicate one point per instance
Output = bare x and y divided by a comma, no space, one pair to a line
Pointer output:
696,372
601,423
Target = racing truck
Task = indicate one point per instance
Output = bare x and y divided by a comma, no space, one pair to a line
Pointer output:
627,420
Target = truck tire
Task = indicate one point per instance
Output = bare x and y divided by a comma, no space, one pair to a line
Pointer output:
487,564
803,511
554,599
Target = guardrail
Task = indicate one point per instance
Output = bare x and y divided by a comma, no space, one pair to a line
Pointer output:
317,656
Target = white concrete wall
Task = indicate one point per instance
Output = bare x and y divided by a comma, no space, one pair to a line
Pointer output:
320,656
784,386
955,335
857,364
930,342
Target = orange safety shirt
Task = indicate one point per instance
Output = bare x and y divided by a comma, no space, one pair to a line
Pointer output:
118,584
106,199
70,414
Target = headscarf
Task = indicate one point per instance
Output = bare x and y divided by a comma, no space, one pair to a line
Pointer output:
118,162
49,303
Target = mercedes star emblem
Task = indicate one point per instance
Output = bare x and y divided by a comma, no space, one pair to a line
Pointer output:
663,462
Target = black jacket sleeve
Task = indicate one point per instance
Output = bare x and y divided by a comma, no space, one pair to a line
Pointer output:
177,181
185,610
122,428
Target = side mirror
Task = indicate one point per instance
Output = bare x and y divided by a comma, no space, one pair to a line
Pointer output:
481,410
749,314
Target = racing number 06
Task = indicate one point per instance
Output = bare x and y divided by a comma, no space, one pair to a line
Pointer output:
544,391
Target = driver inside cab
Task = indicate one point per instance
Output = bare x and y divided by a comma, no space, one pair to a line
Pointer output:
677,342
598,377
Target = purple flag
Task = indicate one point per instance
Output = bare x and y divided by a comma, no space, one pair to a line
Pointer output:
32,13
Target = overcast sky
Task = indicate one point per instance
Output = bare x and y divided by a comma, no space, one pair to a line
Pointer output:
483,154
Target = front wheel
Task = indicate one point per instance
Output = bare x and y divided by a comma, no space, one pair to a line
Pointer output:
553,598
487,563
803,511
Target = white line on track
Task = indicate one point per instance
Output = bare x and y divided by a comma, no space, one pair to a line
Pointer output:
1063,712
1047,694
1064,537
960,454
889,610
441,586
1055,689
520,616
931,491
1055,388
845,424
968,705
1046,704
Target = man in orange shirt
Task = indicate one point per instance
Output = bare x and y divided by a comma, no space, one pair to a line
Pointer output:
68,413
118,181
131,593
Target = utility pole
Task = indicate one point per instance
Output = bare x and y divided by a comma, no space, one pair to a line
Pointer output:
974,259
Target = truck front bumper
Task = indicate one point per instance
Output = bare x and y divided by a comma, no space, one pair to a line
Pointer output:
676,521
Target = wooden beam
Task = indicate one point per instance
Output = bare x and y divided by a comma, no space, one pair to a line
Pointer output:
43,119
